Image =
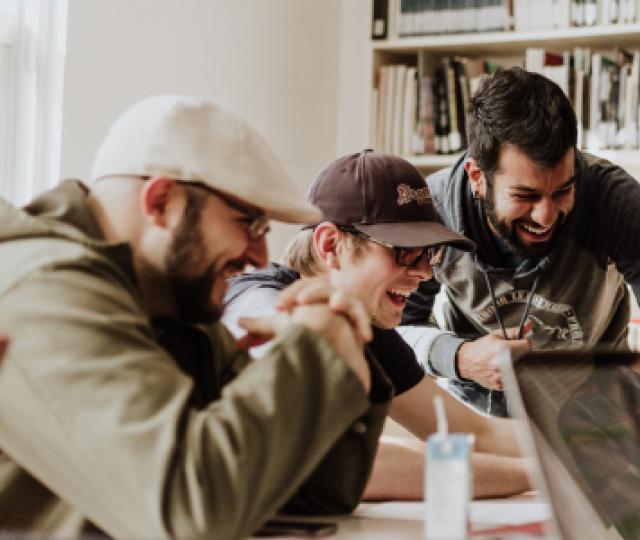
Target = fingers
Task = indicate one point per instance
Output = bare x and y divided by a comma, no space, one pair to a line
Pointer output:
249,341
304,291
493,379
260,330
512,333
342,304
266,327
318,291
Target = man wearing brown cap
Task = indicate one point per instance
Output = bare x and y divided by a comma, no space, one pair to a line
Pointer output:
379,239
118,413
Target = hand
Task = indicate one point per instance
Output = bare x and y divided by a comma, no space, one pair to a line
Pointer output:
479,360
318,290
320,318
260,330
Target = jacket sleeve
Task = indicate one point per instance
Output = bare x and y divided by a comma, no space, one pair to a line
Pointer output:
337,484
435,348
611,218
96,411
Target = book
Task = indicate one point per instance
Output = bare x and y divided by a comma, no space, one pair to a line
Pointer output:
426,116
407,144
379,22
399,80
441,111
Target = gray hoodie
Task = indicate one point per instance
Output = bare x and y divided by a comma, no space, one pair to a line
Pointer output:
579,296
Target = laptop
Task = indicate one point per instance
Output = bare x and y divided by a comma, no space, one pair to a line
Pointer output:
581,424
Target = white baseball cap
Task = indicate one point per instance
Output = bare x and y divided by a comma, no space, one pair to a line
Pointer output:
192,139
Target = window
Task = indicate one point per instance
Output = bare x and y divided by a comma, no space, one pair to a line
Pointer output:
32,46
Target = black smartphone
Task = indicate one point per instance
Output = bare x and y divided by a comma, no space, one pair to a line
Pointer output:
306,529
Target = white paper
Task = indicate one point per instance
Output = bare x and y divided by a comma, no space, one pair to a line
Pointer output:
490,512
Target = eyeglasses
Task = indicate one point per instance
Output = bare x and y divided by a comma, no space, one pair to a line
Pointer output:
409,257
256,223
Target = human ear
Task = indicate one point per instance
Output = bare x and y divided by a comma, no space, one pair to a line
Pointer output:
326,237
476,177
158,199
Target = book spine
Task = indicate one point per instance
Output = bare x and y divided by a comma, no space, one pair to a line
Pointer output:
379,22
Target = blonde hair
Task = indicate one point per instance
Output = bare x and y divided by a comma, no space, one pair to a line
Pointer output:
300,253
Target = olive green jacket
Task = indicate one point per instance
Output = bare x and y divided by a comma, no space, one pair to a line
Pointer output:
101,429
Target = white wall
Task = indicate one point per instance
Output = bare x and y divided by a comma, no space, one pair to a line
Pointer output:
354,70
278,63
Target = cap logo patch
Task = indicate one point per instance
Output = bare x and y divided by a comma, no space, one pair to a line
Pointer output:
406,194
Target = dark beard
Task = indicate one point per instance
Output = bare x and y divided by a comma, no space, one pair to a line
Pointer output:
192,295
508,233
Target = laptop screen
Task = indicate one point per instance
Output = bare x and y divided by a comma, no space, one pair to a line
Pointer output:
584,414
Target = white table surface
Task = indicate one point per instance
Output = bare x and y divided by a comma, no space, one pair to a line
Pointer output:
404,520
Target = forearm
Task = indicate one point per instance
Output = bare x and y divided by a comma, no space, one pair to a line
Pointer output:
398,472
498,476
414,411
498,436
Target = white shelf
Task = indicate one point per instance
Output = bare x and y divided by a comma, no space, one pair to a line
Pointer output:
433,161
510,42
628,159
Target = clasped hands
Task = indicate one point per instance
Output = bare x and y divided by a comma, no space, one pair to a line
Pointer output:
339,317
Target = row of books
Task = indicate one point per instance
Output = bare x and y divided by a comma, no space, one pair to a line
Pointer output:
430,17
548,14
395,102
604,90
426,114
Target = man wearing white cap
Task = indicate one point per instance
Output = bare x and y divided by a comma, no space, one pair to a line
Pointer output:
118,413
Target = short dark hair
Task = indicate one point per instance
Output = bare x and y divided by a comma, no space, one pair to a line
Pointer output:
522,109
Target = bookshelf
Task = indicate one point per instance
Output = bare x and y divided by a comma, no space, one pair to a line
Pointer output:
626,35
504,48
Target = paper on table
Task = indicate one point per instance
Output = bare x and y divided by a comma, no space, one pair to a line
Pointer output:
506,512
490,512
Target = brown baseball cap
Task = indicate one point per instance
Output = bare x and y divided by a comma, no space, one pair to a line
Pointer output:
384,197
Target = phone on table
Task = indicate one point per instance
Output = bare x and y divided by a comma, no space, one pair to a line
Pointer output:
306,529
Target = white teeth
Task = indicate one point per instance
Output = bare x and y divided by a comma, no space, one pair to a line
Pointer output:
406,294
535,230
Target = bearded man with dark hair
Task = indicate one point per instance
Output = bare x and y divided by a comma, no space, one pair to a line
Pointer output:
556,230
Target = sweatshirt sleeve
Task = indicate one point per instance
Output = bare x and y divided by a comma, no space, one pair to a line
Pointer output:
610,206
96,411
434,348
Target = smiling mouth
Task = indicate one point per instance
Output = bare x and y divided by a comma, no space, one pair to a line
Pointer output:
536,233
399,297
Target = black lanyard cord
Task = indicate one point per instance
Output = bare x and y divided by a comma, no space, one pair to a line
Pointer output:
525,313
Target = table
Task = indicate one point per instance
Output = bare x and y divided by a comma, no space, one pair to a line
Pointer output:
404,521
